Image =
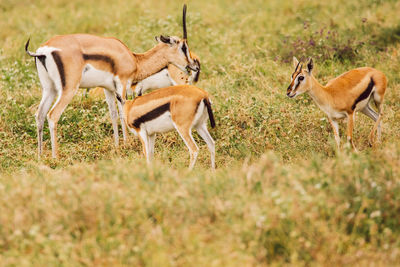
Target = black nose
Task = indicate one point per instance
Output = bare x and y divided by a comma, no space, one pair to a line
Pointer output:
288,93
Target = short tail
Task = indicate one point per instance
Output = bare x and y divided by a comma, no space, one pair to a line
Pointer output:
210,112
31,53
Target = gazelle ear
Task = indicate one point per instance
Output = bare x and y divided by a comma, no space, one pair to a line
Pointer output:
310,65
164,39
295,62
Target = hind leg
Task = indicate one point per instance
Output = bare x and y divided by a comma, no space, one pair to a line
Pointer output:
48,95
377,125
203,132
64,98
186,135
44,106
370,112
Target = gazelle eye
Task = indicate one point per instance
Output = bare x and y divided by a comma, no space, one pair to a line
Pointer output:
301,78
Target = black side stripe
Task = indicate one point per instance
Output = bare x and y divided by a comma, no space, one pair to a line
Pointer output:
104,58
364,94
155,113
60,66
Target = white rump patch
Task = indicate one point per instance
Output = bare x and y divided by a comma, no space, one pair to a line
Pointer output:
46,50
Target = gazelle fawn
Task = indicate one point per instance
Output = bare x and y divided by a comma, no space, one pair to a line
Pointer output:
180,107
343,96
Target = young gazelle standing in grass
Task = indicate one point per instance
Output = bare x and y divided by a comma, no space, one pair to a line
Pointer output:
180,107
68,62
343,96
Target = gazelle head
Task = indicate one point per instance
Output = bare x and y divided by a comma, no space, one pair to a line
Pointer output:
178,51
301,78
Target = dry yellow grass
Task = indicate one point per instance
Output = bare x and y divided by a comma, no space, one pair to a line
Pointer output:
281,195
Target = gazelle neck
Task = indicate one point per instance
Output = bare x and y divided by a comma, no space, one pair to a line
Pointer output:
318,92
150,62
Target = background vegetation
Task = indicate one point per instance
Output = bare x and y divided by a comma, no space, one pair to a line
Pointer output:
281,193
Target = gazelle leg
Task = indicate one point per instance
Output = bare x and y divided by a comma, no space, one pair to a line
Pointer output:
203,132
145,142
64,98
121,90
377,125
367,110
121,117
350,126
152,139
185,133
48,95
335,126
138,89
44,106
110,99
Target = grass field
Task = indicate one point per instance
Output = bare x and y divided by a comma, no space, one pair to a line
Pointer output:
281,193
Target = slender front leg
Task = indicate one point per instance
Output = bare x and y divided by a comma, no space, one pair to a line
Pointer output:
350,126
121,90
152,139
110,99
121,117
335,126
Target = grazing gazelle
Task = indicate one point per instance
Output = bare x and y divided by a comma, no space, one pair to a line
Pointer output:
180,107
343,96
68,62
168,77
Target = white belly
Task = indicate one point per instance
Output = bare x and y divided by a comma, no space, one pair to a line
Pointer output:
332,113
155,81
160,124
92,77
